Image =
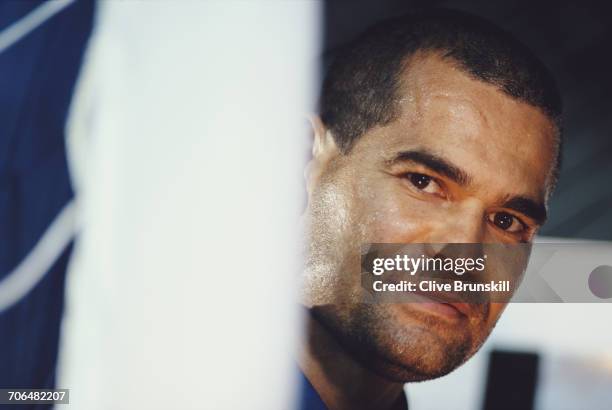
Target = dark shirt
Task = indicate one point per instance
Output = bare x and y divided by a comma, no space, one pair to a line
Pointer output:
310,399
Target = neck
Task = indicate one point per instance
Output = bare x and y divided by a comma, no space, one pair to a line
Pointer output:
340,381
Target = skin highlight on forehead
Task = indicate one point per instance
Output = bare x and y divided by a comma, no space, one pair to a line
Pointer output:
443,106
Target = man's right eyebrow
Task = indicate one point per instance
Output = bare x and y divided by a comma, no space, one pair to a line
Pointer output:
435,163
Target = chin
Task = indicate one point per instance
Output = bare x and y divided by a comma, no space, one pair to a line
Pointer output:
407,373
399,347
426,359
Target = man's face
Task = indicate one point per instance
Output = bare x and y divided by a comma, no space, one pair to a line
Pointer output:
462,163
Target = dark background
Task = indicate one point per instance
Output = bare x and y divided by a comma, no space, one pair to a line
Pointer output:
573,40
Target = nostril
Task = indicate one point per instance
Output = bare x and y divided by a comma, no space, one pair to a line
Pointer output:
600,282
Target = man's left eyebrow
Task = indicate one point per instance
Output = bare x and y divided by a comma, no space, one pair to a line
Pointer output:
533,209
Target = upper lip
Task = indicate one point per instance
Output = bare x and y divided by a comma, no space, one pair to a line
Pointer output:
467,309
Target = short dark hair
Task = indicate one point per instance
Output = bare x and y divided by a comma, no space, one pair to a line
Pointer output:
361,85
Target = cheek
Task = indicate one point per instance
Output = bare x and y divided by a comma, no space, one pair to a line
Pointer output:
482,329
390,216
495,312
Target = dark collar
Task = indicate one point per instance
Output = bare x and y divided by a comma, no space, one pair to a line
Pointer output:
310,400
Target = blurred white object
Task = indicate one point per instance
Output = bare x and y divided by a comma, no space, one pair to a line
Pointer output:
185,147
575,382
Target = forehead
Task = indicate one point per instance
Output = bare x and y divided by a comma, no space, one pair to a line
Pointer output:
489,134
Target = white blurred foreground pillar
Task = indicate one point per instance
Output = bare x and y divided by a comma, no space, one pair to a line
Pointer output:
185,146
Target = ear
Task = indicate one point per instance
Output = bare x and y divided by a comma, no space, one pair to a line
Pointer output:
324,149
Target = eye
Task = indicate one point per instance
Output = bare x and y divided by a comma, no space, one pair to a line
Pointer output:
424,183
507,222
